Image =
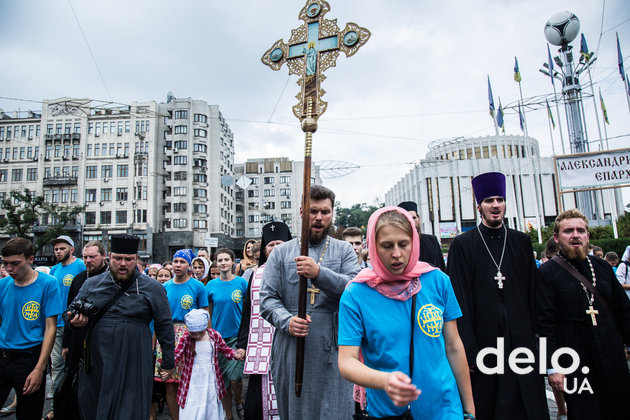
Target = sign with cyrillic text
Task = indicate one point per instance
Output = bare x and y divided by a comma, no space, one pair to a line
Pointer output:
593,170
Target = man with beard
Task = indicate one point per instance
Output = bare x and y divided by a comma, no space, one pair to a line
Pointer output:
330,265
581,306
94,258
117,378
430,250
493,273
68,266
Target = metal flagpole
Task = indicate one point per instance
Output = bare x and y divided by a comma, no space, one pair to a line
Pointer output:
555,97
523,111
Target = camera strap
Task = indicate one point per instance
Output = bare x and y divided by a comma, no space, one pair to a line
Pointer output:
87,356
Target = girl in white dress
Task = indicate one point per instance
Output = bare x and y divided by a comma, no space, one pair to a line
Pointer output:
201,387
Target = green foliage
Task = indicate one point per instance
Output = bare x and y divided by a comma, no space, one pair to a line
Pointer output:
623,226
356,216
615,245
546,233
25,214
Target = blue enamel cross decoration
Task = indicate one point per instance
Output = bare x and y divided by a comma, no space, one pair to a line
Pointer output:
312,49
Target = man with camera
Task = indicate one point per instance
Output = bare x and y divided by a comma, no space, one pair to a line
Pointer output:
117,307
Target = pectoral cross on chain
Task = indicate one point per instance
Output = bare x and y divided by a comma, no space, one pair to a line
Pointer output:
499,278
590,311
313,291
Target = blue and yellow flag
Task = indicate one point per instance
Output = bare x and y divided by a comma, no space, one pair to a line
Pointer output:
490,100
550,65
517,72
521,119
620,61
604,111
584,49
550,115
500,121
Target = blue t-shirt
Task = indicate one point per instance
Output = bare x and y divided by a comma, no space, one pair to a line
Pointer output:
184,297
65,275
227,304
381,327
24,311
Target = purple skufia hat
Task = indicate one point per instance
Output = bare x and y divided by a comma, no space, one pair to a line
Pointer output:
490,184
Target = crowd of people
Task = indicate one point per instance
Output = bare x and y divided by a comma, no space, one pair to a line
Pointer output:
390,330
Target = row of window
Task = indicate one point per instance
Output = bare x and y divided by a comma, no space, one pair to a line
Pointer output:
183,223
182,114
16,174
182,207
61,196
182,191
284,192
106,217
115,149
8,132
61,128
91,171
20,153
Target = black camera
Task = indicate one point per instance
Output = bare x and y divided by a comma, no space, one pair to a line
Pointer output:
81,306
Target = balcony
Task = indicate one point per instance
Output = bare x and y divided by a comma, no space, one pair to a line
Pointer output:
76,136
52,181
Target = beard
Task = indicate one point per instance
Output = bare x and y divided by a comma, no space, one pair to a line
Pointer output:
485,216
574,253
65,257
317,237
121,278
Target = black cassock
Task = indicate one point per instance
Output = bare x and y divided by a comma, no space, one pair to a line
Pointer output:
430,251
562,319
490,312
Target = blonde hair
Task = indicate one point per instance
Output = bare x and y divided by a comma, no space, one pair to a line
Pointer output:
395,219
568,214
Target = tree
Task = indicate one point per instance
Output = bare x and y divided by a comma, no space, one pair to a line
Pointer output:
24,211
357,215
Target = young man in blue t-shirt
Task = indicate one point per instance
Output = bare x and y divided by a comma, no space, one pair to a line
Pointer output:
29,305
67,267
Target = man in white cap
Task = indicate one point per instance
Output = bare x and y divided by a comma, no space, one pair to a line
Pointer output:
64,271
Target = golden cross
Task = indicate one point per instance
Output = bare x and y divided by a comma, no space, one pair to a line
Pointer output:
592,313
313,290
312,49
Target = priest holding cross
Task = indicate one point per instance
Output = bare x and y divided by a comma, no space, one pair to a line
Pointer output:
582,306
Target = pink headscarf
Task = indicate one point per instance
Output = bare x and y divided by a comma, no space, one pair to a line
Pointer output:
394,286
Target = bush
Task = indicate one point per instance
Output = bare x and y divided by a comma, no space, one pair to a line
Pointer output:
615,245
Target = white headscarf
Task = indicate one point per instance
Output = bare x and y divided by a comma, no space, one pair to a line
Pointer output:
197,320
206,266
626,254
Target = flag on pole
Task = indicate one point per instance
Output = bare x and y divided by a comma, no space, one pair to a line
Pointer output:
584,49
490,100
517,73
550,65
500,116
520,117
604,111
620,61
550,115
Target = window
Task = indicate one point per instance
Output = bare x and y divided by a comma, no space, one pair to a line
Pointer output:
200,178
181,129
181,191
127,130
239,219
106,194
67,128
122,194
74,195
97,129
141,216
254,218
89,150
90,217
179,223
57,150
179,207
77,127
112,149
16,174
201,118
106,217
199,193
254,181
1,133
269,180
200,148
181,114
285,204
66,151
106,171
90,172
142,192
180,176
75,171
200,132
75,150
122,171
181,144
90,128
200,163
22,153
269,193
285,192
270,206
121,217
97,149
31,130
58,128
285,179
64,196
31,174
55,196
49,128
200,208
180,160
90,195
200,224
252,193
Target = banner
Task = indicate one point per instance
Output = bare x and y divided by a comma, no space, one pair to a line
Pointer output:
593,170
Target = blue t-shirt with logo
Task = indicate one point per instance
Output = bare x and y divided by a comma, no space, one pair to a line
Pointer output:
24,310
226,298
64,275
184,297
381,327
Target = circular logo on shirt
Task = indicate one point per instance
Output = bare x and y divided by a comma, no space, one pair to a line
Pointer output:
187,301
67,280
30,310
430,320
237,296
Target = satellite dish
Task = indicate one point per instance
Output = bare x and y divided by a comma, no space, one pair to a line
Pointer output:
227,180
169,97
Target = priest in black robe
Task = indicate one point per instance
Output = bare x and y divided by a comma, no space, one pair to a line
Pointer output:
430,250
493,272
570,315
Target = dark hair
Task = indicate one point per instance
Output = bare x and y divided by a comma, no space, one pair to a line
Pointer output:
551,248
319,192
98,244
226,251
351,231
18,246
611,256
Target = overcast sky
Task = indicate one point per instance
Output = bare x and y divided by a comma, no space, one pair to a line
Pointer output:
421,77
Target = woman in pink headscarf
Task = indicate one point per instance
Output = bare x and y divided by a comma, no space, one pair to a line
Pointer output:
399,314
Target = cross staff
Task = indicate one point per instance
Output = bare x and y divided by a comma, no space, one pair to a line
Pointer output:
312,49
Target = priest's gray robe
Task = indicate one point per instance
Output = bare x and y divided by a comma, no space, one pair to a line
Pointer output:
120,383
325,394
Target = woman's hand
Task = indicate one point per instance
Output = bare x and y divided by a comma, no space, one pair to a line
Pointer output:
400,389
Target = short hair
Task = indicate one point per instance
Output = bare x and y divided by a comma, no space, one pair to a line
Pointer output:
226,251
319,192
568,214
611,256
256,247
551,248
97,244
351,231
18,246
164,268
365,254
396,219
